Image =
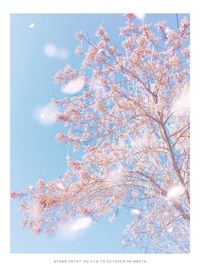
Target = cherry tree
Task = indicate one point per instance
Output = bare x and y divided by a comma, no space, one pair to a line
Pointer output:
128,115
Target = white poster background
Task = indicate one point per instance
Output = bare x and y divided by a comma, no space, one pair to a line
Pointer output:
8,7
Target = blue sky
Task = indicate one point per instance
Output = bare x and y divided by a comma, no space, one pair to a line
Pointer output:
34,151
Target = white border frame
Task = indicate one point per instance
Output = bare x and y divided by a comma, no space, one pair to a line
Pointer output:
94,6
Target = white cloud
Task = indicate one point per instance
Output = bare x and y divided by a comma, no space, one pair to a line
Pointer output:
135,211
81,223
31,25
74,228
74,86
140,16
46,114
52,51
175,192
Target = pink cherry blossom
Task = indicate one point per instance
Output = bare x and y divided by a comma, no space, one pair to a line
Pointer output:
60,137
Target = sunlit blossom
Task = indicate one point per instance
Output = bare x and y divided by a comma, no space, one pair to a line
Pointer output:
181,104
175,191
